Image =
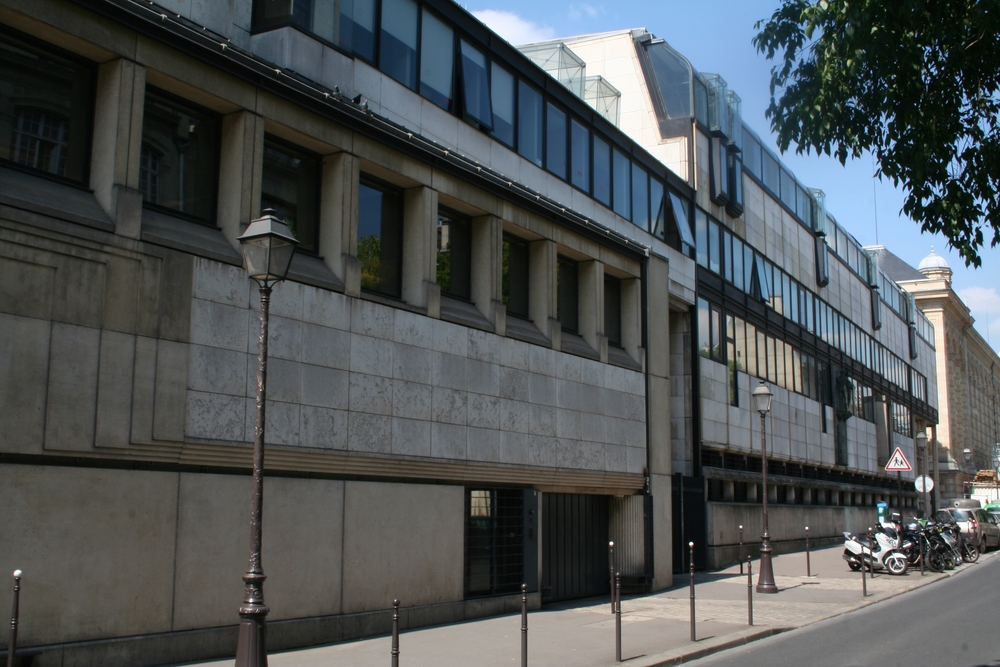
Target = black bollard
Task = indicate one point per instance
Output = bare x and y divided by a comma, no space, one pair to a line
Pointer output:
923,554
864,581
749,591
618,617
395,633
611,573
808,566
691,556
12,645
741,549
871,554
524,625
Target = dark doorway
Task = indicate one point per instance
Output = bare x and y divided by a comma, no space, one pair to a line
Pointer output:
689,521
574,546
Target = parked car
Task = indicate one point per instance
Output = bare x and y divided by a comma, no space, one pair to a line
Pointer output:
977,525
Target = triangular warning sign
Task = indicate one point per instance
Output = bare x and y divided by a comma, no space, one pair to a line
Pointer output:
897,462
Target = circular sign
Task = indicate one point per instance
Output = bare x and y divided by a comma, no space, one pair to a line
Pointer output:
924,484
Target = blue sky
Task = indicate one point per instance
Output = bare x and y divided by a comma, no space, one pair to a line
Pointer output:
715,35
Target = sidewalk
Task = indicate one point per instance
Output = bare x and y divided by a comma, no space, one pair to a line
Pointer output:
655,628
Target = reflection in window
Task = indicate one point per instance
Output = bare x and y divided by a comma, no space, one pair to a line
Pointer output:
658,212
701,237
621,173
568,295
475,85
454,255
613,310
149,174
673,78
502,89
580,155
640,197
713,247
529,123
398,41
46,102
437,61
185,139
514,282
772,173
380,237
704,329
290,185
602,171
555,141
358,25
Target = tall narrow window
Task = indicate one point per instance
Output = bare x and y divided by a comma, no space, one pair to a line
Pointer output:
701,237
515,276
290,185
475,86
149,174
602,171
494,541
46,104
454,254
568,295
640,197
580,155
658,208
704,329
555,140
613,310
186,139
714,264
437,61
357,24
621,177
529,123
502,89
398,41
380,237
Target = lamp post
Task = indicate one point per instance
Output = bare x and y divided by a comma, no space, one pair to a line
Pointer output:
762,403
268,246
921,439
967,453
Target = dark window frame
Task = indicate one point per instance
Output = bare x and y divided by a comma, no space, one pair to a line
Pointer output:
464,220
380,185
302,247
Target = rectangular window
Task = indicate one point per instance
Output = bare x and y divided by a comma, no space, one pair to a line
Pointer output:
380,237
715,321
437,61
762,357
621,177
731,360
681,219
454,254
515,276
475,86
529,123
640,197
290,185
772,358
797,370
502,89
704,329
182,141
568,295
779,362
713,247
398,41
555,140
720,172
494,541
740,360
738,253
613,310
657,214
727,255
748,270
788,189
46,108
579,155
772,173
357,23
752,353
751,154
602,171
701,237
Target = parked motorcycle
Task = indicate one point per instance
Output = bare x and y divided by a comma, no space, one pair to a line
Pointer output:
878,551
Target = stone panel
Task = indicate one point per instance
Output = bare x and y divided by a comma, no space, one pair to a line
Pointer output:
24,363
71,398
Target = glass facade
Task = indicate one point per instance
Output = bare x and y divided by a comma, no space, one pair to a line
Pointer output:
437,61
398,41
475,86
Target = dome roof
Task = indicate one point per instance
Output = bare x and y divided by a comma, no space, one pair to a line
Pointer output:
933,261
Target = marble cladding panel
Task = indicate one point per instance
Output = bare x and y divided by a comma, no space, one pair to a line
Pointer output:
353,375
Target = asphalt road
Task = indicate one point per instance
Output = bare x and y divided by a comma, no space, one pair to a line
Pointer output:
952,623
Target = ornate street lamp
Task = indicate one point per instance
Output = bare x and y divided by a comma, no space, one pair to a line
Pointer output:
268,246
967,453
762,403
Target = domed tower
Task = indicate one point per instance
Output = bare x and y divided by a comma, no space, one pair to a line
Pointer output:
935,267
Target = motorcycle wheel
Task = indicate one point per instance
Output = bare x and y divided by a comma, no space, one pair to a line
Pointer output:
854,565
935,561
970,552
896,564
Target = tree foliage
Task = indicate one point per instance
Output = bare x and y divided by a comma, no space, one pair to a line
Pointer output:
913,81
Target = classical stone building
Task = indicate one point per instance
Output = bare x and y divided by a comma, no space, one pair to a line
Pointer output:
785,295
471,375
968,371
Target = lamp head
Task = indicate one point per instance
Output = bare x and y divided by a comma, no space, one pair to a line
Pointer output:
921,440
762,398
967,453
268,246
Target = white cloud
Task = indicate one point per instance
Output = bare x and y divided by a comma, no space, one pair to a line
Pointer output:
577,12
513,28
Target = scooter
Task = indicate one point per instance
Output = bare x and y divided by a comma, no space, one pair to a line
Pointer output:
876,552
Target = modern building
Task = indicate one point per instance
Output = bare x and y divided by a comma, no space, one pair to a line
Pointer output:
968,370
473,363
785,295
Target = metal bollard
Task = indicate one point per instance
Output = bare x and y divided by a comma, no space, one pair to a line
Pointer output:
618,617
691,555
12,645
871,554
741,549
808,566
524,625
611,572
749,591
864,581
923,554
395,633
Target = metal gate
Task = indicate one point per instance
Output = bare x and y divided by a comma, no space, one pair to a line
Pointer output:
574,546
689,521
